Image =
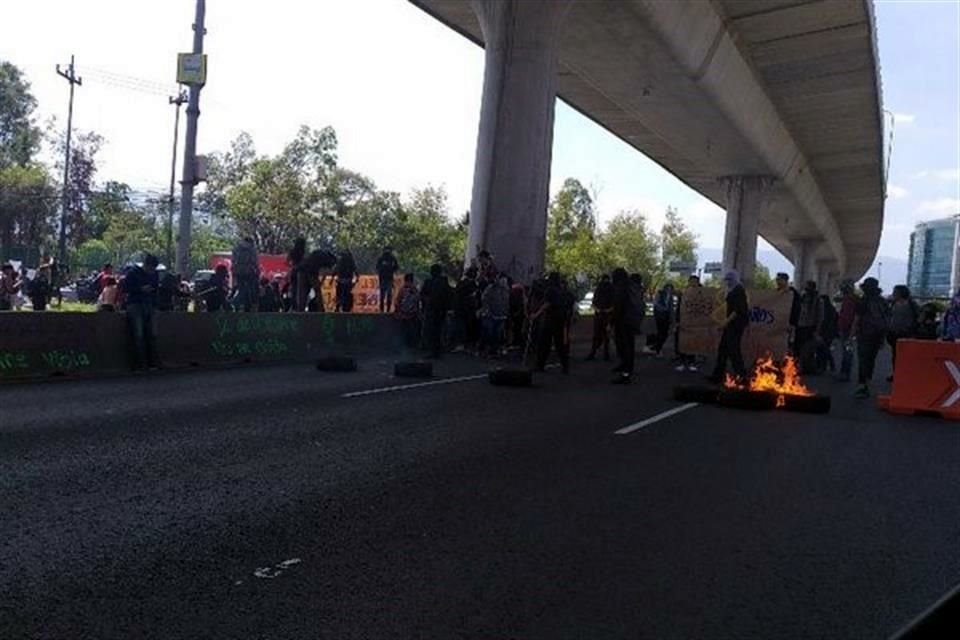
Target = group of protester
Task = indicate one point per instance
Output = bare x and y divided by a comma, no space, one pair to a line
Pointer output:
40,288
862,325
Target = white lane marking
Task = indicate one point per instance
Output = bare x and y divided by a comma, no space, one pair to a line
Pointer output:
656,418
370,392
269,573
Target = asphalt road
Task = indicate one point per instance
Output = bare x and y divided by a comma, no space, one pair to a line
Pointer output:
261,503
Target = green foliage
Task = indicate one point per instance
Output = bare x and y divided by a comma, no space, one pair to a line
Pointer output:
762,278
90,255
627,242
678,243
28,200
303,191
19,137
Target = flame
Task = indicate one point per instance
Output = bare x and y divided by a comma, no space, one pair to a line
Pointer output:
767,376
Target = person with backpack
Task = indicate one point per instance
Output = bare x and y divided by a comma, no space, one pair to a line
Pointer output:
904,315
736,322
870,329
245,264
408,312
387,267
555,314
435,298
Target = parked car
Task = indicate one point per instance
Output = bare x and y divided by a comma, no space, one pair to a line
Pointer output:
585,306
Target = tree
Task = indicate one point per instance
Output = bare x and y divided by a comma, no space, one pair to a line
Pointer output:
761,278
28,200
571,230
275,199
678,243
19,137
627,242
84,147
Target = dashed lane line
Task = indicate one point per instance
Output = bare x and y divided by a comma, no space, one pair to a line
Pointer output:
417,385
657,418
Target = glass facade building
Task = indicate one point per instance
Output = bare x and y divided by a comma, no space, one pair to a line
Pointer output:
932,267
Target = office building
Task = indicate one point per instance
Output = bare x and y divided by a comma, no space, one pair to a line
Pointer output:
932,270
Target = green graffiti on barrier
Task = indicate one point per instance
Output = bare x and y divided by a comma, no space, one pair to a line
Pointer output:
11,361
51,360
260,347
253,324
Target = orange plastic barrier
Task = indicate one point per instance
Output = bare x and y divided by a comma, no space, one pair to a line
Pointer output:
926,379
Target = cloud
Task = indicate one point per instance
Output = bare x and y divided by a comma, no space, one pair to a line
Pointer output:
950,175
947,175
940,205
904,118
896,192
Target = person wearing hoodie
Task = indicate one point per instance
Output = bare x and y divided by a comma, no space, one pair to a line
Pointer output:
870,329
735,323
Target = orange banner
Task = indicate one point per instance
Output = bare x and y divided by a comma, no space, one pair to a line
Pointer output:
366,293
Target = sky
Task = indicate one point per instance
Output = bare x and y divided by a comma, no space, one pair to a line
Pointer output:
403,93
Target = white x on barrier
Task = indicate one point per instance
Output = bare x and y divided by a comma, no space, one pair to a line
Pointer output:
955,374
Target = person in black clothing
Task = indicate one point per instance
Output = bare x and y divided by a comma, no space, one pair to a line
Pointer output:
140,288
268,301
217,289
518,314
466,304
435,296
783,283
738,317
299,284
555,314
627,318
602,309
346,279
387,267
870,326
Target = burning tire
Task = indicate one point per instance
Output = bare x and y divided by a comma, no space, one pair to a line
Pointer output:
749,400
806,404
692,393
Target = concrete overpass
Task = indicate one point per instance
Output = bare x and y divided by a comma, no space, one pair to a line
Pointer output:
769,108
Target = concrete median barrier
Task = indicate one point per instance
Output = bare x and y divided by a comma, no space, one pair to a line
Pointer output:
40,345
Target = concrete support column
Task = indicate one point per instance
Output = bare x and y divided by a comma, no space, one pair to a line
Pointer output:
511,179
747,199
824,277
802,251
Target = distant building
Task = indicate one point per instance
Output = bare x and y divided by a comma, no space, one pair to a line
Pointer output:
932,268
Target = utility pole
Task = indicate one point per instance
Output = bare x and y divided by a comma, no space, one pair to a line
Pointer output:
179,100
190,151
62,244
